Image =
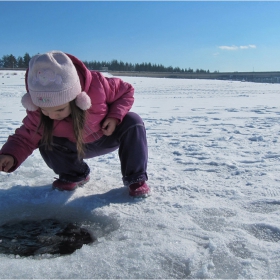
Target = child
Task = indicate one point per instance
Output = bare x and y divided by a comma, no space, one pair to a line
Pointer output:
74,114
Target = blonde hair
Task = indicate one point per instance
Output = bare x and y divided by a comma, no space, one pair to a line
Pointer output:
78,119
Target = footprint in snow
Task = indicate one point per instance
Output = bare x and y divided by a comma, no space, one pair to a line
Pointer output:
263,207
264,232
240,250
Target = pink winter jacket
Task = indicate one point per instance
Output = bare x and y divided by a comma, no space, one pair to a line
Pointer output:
110,97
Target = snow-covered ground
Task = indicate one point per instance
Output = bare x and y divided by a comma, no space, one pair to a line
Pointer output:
214,155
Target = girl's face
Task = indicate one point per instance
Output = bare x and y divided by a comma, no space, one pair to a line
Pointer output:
58,112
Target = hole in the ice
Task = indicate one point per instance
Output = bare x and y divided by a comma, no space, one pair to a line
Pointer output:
30,238
47,230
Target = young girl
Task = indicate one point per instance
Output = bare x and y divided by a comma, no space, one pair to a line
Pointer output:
74,114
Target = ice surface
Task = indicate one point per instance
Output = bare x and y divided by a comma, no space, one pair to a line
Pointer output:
214,172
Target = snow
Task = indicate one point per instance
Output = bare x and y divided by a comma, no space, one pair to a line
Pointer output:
214,172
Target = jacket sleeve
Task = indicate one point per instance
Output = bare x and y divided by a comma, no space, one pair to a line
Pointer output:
119,96
24,141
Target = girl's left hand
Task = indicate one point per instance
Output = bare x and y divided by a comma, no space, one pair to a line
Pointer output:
109,126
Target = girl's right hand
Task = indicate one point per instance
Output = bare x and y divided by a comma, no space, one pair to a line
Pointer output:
6,162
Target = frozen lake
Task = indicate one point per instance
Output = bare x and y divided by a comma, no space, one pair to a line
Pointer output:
214,172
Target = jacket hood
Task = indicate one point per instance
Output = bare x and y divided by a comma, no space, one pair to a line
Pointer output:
83,72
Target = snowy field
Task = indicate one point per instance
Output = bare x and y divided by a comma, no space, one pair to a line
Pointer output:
214,170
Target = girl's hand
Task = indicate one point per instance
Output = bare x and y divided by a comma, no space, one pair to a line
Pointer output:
6,162
109,126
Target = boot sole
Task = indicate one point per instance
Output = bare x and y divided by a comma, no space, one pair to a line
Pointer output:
70,190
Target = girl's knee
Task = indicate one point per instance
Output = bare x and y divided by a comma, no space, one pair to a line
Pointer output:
133,118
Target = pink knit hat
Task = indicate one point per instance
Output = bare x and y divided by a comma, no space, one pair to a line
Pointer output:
53,81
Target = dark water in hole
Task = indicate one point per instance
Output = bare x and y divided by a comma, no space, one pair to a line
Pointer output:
30,238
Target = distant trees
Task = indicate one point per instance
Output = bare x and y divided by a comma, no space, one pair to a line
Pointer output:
201,71
9,61
116,65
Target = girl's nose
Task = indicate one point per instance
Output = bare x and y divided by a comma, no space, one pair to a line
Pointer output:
52,115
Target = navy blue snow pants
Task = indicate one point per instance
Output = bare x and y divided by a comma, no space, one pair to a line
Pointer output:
129,137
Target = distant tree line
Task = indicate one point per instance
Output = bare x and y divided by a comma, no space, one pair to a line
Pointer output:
116,65
10,61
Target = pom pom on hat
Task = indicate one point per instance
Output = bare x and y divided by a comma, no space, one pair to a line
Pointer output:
27,103
83,101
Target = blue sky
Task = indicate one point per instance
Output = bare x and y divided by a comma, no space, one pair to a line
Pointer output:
216,36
